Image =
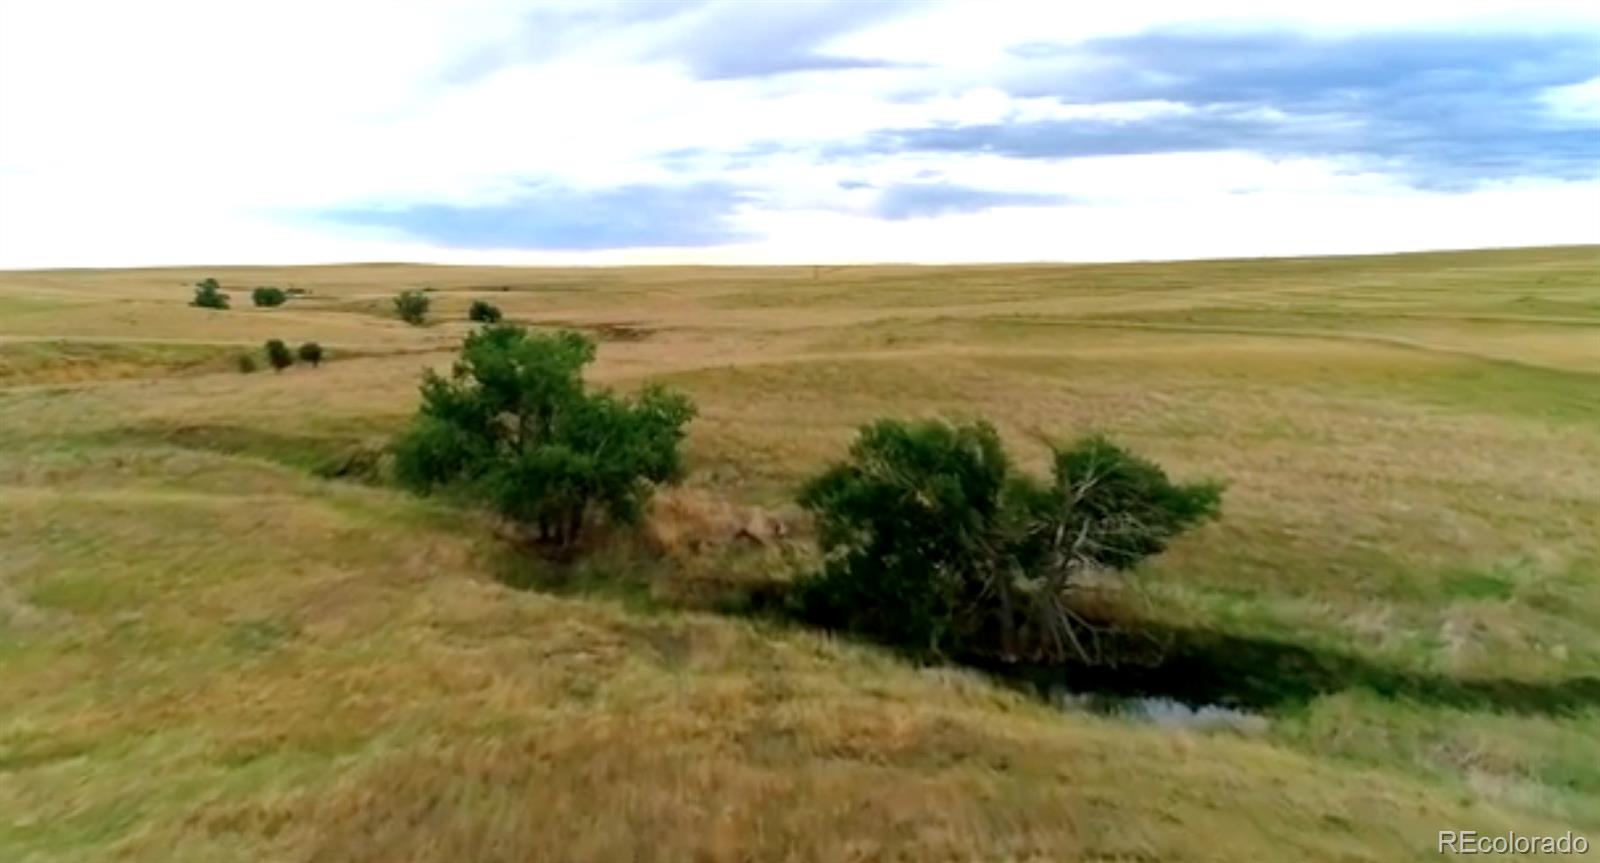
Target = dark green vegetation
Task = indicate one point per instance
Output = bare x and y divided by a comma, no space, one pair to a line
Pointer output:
268,296
483,312
208,295
310,352
934,542
279,355
246,363
412,307
515,426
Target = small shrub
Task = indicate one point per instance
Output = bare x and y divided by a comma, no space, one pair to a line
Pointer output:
514,426
208,295
483,312
933,543
268,296
247,363
278,355
412,307
310,352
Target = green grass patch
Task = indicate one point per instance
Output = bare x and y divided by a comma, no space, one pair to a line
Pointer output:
26,362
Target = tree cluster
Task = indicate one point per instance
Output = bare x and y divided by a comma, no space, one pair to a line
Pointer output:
936,543
280,356
932,540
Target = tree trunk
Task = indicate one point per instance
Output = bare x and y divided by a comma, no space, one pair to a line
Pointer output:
1008,622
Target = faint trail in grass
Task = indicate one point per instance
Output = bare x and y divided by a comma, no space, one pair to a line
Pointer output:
1297,333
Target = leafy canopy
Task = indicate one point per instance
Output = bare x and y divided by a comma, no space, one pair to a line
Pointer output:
412,307
208,295
268,296
310,352
484,312
513,425
278,355
935,543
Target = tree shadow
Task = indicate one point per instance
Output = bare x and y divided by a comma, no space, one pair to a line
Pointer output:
1199,666
351,455
1193,665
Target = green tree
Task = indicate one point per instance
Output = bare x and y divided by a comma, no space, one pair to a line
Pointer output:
268,296
934,543
208,295
310,352
278,355
514,426
246,363
483,312
412,307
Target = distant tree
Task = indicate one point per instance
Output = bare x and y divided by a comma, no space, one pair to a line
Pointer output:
934,543
247,363
412,307
483,312
279,355
311,352
208,295
514,426
268,296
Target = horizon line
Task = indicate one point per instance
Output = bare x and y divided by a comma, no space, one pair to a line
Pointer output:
818,263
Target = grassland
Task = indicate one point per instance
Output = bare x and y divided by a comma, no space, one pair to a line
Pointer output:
210,653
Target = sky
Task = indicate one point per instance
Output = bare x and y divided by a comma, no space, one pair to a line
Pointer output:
755,131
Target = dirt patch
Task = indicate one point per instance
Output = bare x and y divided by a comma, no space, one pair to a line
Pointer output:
622,332
607,331
692,521
19,614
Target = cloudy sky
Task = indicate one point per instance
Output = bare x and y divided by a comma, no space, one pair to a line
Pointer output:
235,131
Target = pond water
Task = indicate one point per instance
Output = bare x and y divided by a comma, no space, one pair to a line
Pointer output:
1164,712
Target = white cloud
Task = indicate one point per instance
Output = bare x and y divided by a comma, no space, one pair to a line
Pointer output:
165,132
1235,226
1579,102
978,34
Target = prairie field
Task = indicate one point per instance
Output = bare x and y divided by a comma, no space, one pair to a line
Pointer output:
214,648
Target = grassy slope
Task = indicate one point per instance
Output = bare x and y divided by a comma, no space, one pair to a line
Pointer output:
208,654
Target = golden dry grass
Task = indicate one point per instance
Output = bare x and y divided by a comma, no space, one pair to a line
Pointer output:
209,654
